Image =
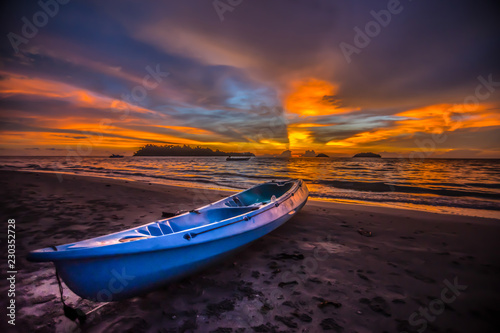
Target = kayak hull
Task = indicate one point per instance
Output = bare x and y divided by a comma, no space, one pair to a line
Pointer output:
124,273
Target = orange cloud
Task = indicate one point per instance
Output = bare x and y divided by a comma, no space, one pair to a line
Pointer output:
189,130
313,97
16,84
431,119
97,131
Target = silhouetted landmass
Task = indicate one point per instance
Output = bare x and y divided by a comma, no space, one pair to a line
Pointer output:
322,155
286,154
171,150
309,153
367,155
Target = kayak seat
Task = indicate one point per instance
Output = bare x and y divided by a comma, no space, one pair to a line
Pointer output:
234,202
264,193
238,202
230,203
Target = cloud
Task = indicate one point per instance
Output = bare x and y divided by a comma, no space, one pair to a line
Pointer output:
265,54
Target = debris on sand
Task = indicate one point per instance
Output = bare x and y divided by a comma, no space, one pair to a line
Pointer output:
285,256
167,214
364,232
324,304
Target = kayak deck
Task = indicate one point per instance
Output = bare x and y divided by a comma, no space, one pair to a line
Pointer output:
226,209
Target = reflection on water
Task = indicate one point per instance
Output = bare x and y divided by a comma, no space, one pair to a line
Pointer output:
447,183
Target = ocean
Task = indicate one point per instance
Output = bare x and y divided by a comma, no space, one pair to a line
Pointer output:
460,186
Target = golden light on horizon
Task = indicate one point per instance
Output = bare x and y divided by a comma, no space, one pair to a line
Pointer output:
300,138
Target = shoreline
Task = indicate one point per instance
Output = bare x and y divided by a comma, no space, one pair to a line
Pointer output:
447,210
316,272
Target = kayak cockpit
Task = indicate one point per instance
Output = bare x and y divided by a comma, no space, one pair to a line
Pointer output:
226,209
204,217
233,206
259,194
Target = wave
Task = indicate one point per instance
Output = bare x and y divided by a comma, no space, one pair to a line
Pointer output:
141,167
385,187
486,185
349,181
473,204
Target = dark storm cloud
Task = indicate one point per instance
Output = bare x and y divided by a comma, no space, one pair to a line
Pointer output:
432,52
428,51
428,46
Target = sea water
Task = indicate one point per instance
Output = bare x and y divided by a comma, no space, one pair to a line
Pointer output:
443,185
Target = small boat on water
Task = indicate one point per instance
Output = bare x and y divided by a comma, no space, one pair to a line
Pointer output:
237,158
138,260
116,156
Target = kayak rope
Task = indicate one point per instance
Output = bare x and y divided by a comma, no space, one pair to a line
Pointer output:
69,312
97,308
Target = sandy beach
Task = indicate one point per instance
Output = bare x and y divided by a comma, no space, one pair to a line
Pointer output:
333,267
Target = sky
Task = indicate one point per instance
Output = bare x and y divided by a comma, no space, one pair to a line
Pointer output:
403,78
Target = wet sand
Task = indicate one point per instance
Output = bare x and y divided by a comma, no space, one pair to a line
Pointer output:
333,267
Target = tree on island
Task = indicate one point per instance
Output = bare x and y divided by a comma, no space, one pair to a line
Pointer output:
172,150
309,153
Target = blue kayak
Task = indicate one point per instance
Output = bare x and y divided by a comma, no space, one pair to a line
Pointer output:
138,260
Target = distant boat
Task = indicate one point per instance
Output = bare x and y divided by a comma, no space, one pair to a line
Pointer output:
162,251
116,156
372,155
237,158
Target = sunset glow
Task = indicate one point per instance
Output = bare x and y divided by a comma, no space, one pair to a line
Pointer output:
215,85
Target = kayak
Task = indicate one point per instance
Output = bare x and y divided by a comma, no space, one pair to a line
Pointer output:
135,261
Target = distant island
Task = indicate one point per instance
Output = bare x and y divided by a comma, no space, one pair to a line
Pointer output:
286,154
322,155
309,153
172,150
367,155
